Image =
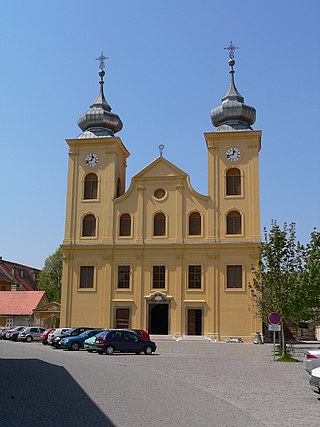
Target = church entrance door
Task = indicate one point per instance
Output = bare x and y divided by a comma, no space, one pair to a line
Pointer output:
158,318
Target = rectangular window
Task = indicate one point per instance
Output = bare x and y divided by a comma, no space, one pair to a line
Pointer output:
90,189
124,276
234,223
234,276
233,185
9,323
125,225
86,277
159,224
194,224
159,277
122,318
194,277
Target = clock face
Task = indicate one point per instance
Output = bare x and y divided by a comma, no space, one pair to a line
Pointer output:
233,154
91,160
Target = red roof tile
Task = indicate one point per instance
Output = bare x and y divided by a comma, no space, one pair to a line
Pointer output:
19,302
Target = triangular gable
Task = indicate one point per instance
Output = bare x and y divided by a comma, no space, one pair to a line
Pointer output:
51,306
160,167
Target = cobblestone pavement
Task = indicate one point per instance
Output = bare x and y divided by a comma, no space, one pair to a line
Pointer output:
184,384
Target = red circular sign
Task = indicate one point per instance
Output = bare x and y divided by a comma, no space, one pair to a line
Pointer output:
274,318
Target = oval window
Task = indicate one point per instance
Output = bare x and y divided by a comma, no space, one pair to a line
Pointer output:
159,193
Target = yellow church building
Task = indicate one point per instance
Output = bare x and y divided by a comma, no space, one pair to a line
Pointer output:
159,255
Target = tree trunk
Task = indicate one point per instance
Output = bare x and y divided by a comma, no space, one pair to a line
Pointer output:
283,344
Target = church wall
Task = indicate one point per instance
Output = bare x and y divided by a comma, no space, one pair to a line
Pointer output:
225,312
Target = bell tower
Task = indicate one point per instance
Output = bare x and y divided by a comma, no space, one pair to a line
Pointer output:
96,173
233,168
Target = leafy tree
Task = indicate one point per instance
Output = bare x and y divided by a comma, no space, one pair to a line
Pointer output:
50,277
310,283
278,277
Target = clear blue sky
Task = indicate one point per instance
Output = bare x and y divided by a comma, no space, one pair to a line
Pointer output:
167,69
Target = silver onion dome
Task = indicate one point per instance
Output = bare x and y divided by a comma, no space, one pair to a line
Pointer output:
99,121
233,114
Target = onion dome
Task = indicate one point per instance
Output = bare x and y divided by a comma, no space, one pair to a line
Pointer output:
232,114
99,121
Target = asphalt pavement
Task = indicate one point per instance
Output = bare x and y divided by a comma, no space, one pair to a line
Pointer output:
186,383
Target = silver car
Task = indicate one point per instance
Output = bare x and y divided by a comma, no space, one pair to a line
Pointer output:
314,380
30,334
311,359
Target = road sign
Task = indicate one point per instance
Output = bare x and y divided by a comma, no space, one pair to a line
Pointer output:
274,328
274,318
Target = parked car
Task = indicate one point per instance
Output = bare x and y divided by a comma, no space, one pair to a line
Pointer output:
45,334
77,342
3,332
89,344
314,380
144,335
311,359
30,334
12,334
72,332
56,333
126,341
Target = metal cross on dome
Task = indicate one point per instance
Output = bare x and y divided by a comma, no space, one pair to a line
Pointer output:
101,60
231,48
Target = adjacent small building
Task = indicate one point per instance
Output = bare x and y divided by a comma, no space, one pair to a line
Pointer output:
17,277
17,308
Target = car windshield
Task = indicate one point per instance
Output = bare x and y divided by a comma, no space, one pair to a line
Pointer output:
102,333
84,334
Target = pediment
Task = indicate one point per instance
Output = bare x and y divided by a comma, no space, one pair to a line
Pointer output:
160,167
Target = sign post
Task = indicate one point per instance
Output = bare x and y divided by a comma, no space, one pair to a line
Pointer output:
274,320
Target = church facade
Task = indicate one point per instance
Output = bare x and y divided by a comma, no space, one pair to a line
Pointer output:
159,255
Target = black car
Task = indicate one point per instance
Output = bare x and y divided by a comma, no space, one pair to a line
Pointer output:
123,341
3,333
71,333
12,334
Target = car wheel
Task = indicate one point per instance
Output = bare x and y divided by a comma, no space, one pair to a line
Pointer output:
28,338
109,350
147,350
75,346
44,343
90,351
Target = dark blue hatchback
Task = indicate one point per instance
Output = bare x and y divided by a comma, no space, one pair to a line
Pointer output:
123,341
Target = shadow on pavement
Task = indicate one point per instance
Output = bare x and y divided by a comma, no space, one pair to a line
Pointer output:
35,393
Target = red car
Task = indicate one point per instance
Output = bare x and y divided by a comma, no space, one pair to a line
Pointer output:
44,335
143,335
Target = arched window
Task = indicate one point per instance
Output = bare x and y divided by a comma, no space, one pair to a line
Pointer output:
194,224
233,182
125,225
159,224
234,223
89,226
118,188
90,186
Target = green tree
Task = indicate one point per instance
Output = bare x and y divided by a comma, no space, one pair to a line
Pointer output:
277,280
50,277
310,283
